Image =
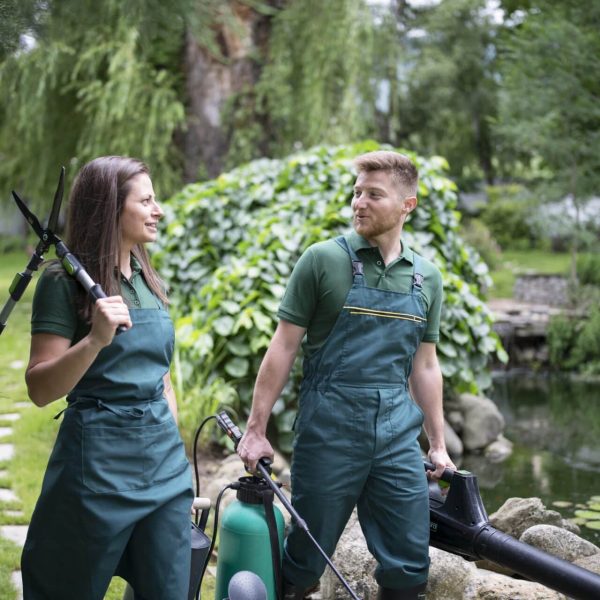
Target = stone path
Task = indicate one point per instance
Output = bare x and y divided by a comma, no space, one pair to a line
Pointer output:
14,533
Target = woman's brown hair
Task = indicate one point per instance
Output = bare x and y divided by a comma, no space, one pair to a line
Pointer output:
94,225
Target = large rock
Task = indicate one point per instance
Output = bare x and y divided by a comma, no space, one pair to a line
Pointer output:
483,422
486,585
454,444
448,575
558,542
354,561
499,450
591,563
518,514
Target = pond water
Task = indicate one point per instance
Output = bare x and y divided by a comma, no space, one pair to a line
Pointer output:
554,423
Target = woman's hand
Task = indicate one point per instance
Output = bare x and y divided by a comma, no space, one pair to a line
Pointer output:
108,314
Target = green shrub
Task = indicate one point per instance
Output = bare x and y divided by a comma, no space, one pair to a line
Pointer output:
574,344
229,246
508,217
588,269
585,356
561,334
476,233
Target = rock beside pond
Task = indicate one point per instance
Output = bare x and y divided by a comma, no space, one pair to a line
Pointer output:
454,444
518,514
499,450
591,563
449,574
558,542
483,422
486,585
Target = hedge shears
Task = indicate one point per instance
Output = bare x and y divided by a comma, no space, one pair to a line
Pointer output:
48,238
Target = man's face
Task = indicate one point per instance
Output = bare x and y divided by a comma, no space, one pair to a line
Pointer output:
378,205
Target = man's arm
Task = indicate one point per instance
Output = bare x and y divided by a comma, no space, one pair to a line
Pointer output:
426,387
272,377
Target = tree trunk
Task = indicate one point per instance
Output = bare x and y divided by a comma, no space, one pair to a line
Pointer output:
213,80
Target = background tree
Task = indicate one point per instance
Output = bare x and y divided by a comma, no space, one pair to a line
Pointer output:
451,87
550,96
106,76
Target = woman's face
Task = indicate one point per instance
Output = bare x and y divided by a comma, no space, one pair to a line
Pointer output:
141,212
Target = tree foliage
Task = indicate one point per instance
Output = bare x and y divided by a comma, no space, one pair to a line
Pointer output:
550,96
451,86
229,246
102,77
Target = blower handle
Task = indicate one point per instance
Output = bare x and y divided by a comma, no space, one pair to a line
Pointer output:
447,475
263,466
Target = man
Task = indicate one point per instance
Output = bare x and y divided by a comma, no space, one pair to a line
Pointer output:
370,309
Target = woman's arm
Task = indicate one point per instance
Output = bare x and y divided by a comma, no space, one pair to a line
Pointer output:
55,367
170,395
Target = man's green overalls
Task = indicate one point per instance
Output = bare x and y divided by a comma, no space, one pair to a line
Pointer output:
117,492
356,438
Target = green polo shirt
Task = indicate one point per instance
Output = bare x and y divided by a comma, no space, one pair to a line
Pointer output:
54,310
322,278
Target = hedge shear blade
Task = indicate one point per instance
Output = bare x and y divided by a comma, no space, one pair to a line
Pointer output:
47,235
58,196
31,218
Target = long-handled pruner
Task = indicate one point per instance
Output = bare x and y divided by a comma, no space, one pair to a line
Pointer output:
48,238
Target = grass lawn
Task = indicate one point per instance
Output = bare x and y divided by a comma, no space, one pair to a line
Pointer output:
514,262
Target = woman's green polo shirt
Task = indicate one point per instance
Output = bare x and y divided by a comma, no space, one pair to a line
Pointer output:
54,310
322,278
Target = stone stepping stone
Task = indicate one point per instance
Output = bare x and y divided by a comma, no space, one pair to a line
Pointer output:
4,431
14,533
7,495
17,581
23,404
13,513
9,416
17,364
3,473
6,451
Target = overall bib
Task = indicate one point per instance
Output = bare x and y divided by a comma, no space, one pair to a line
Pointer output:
117,491
356,438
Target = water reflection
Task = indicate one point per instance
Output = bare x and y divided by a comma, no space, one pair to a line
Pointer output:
554,423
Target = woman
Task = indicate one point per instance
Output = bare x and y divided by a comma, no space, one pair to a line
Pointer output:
117,491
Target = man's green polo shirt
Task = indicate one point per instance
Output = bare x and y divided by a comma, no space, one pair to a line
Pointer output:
54,310
322,278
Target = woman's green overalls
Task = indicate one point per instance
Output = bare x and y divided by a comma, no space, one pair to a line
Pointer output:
117,492
356,438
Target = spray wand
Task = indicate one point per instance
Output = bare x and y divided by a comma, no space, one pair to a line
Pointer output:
264,468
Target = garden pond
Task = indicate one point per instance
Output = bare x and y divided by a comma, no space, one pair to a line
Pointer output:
554,423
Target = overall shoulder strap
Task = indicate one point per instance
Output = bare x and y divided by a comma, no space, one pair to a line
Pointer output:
357,265
417,275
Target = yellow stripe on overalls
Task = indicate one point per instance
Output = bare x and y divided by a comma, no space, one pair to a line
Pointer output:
359,310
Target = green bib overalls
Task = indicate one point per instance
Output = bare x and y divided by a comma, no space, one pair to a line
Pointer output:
117,491
356,438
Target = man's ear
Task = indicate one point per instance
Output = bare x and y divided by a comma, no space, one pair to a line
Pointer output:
410,204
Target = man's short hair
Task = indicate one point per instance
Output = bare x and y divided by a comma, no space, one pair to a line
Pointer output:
401,168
